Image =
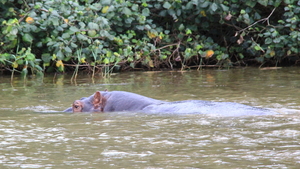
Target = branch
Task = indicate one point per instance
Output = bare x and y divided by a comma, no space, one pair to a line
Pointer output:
166,46
261,20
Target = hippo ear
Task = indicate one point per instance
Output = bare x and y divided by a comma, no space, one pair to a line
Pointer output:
97,99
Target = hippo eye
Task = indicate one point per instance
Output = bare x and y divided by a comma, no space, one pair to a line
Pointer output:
77,106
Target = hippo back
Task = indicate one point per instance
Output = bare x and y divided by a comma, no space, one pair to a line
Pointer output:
207,107
126,101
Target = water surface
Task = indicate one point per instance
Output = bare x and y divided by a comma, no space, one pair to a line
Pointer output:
34,134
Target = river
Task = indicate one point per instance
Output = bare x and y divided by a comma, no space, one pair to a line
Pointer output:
34,133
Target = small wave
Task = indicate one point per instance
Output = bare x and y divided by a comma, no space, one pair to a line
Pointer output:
37,109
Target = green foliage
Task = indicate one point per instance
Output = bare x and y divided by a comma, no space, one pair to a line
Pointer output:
23,60
148,33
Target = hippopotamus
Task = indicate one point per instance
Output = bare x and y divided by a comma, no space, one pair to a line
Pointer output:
117,101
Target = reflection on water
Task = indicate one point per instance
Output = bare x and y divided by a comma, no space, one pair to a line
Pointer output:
34,135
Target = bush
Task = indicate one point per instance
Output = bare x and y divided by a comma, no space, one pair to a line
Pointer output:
59,34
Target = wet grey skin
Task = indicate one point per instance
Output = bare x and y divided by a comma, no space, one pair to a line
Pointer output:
117,101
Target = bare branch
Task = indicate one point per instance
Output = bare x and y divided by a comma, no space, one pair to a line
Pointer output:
261,20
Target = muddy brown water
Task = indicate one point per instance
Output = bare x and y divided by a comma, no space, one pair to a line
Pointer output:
35,134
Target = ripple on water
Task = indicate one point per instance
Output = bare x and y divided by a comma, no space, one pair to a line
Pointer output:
83,140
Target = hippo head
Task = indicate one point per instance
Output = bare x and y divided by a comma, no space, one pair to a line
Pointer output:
94,103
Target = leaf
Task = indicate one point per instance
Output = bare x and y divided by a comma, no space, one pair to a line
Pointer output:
151,34
178,12
224,56
167,5
181,27
277,40
224,7
268,41
74,29
147,27
263,2
30,56
20,62
188,31
82,26
61,68
163,13
60,55
241,55
65,36
162,57
81,37
272,53
257,47
146,12
105,2
82,60
59,28
54,12
205,4
59,63
27,38
116,54
46,64
92,33
251,3
127,11
55,21
14,65
108,54
214,7
73,45
92,25
209,53
278,2
203,13
246,19
105,9
260,59
135,7
132,64
188,53
106,61
189,5
13,31
257,16
150,63
66,21
68,50
29,20
180,36
172,13
198,47
46,57
38,67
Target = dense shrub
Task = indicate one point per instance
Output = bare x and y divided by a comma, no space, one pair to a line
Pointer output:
59,34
